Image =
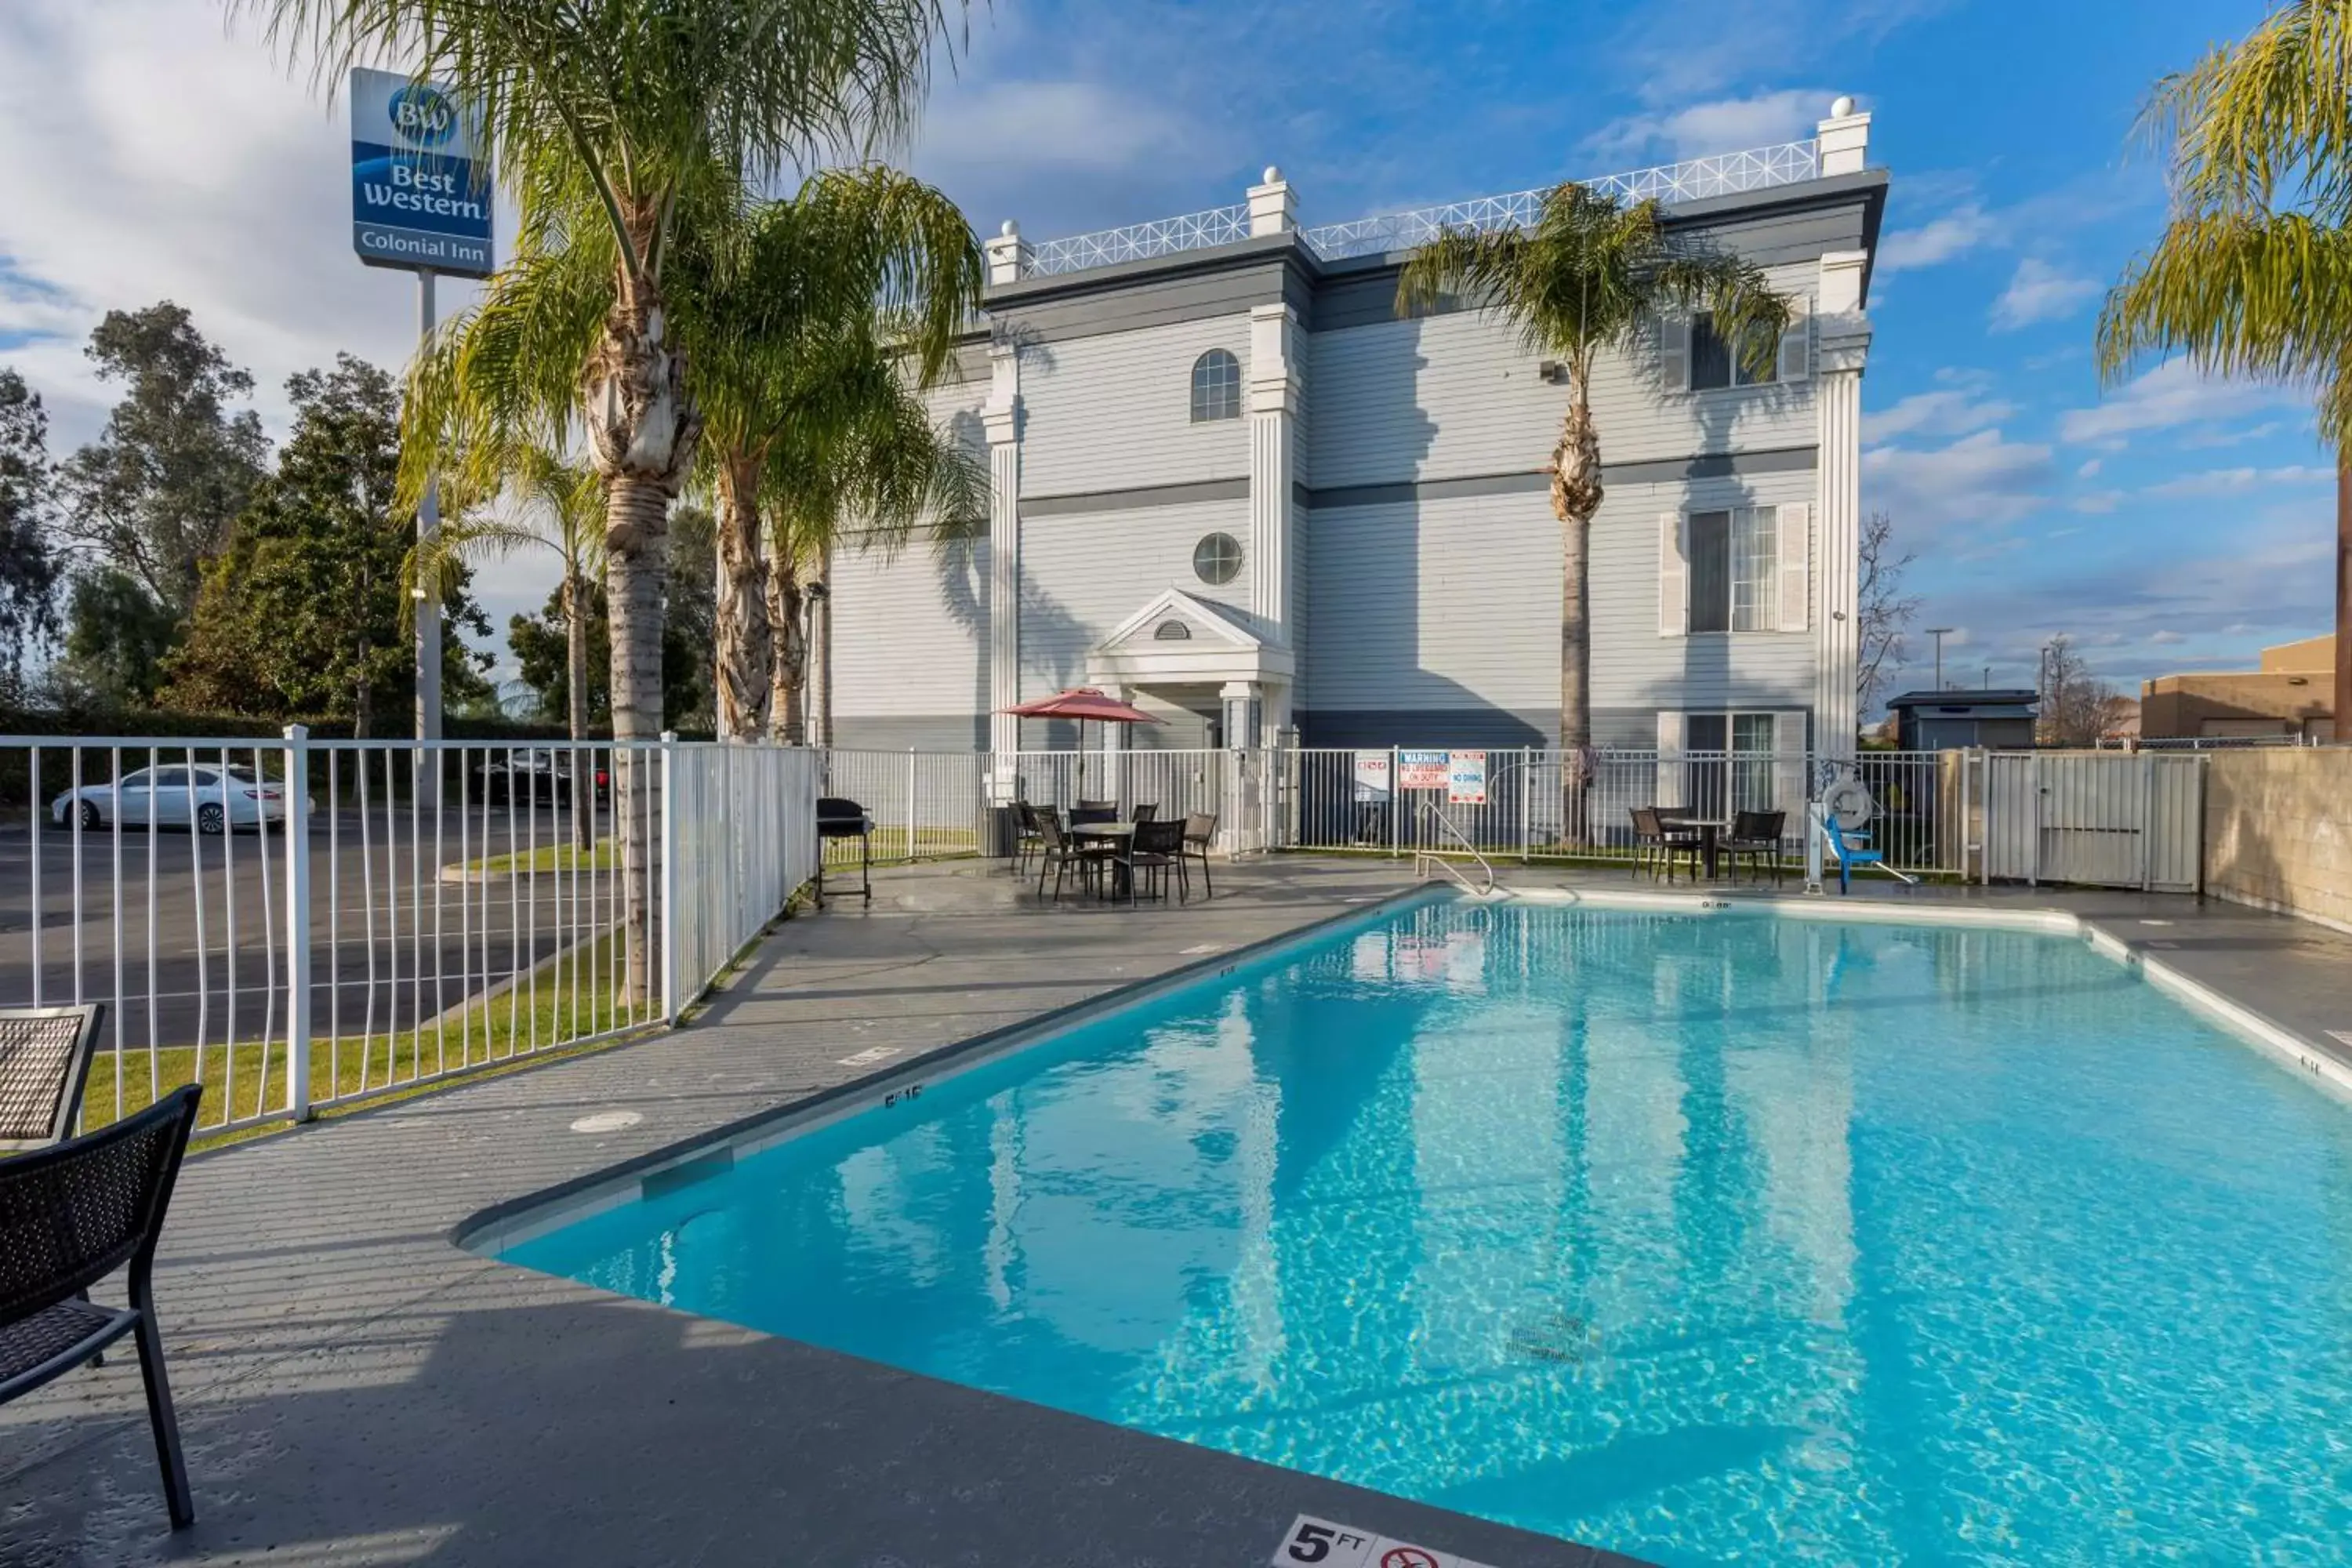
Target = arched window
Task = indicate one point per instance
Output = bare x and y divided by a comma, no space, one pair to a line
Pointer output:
1216,386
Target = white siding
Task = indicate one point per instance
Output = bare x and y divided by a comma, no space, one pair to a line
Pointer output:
911,633
1115,412
1449,605
1448,396
1085,572
1636,667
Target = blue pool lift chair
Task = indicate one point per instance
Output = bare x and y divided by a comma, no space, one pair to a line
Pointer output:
1842,819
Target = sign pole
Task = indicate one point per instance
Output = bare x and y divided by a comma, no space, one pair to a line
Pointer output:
428,527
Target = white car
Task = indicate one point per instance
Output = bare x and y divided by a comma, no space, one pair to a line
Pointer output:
203,795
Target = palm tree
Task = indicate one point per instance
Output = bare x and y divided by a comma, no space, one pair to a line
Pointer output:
1590,273
2253,274
798,318
622,127
866,471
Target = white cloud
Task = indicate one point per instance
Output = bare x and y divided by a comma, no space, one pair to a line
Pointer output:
2171,394
2166,638
2089,469
2041,292
1982,482
1724,125
2237,481
1939,240
1948,411
2098,502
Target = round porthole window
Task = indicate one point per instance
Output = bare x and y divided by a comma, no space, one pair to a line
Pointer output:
1217,559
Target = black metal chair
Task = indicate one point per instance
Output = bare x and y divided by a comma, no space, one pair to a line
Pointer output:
70,1214
1029,838
45,1055
838,817
1087,814
1145,813
1064,855
1756,834
1656,842
1156,848
1200,833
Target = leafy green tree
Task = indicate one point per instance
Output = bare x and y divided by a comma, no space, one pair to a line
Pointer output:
2252,276
1590,273
809,316
154,495
306,610
621,128
116,637
28,567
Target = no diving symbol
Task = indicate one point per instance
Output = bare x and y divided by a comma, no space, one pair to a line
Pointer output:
1407,1557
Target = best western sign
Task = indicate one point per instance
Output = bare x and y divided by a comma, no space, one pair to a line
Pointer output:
420,196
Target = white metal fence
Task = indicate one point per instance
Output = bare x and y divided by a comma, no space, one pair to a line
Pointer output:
296,922
2101,818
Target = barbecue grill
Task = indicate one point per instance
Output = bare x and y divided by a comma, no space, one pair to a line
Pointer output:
838,817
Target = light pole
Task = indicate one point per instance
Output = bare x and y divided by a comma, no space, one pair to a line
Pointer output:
1939,634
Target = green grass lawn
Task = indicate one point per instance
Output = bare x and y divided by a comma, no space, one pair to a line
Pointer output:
507,1027
602,855
890,847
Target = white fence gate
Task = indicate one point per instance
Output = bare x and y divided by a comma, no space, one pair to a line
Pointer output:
2110,819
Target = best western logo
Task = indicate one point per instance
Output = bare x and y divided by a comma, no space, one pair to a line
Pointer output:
422,115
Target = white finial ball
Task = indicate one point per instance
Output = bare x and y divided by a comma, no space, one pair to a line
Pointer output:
1273,175
1010,228
1842,107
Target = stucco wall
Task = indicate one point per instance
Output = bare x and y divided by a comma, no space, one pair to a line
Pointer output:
2278,830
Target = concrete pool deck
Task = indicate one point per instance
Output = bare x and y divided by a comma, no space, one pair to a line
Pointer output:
354,1388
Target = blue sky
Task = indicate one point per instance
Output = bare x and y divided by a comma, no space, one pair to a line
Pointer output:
2165,524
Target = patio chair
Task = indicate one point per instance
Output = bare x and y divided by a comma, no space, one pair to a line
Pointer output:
70,1214
1656,842
1200,832
1109,805
45,1055
1756,834
1064,855
1028,837
1145,813
1092,811
1156,848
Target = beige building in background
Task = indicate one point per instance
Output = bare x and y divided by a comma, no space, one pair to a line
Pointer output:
2293,693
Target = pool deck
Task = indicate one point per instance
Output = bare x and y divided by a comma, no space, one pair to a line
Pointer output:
355,1389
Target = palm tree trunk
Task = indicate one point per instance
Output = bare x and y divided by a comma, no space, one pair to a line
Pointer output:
788,705
575,681
641,426
744,632
820,655
1575,496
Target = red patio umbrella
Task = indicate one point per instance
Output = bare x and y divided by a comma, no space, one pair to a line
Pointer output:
1082,703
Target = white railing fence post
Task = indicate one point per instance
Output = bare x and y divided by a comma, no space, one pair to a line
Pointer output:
672,945
297,920
912,818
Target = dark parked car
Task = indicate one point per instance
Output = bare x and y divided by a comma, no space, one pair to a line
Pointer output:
535,776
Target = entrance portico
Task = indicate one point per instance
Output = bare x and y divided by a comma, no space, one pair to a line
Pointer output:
1192,652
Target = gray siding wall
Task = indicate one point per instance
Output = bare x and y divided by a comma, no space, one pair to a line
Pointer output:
1115,412
909,638
1635,670
1082,573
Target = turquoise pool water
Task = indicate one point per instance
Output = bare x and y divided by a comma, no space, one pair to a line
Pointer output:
1726,1239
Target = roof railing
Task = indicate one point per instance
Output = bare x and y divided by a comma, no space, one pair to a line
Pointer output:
1724,174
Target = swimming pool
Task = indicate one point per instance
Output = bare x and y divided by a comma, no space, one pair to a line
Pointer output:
1708,1237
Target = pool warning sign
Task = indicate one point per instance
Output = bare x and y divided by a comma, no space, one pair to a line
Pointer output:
1324,1544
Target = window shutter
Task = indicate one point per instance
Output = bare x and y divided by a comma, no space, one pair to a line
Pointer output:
1674,352
1788,769
1674,574
1670,758
1795,527
1795,361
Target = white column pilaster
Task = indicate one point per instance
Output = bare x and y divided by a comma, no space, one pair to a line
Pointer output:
1843,141
1274,389
1001,418
1844,340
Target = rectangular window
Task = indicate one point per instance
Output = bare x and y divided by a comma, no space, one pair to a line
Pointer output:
1729,765
1755,568
1710,572
1712,363
1751,762
1735,565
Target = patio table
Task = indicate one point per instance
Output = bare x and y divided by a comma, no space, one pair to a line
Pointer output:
1113,834
1711,830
